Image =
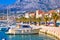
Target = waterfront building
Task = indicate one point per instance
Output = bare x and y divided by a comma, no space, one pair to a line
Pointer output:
50,12
31,14
39,13
26,15
58,11
3,17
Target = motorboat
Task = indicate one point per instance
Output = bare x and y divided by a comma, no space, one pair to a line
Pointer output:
4,29
24,29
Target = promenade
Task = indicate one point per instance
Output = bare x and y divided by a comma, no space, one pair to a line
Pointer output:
54,31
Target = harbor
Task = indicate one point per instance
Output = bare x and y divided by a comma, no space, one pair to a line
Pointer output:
29,20
37,30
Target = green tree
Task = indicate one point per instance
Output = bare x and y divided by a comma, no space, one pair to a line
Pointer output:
38,20
46,19
35,20
55,17
17,20
32,20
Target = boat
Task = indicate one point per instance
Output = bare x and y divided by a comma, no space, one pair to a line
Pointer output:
4,29
24,29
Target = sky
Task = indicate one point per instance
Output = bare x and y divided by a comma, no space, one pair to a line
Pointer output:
7,2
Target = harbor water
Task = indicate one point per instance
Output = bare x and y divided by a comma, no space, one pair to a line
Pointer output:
4,36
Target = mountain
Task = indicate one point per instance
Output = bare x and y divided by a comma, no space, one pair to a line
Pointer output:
32,5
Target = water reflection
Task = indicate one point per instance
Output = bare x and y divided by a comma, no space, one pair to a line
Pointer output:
3,36
30,37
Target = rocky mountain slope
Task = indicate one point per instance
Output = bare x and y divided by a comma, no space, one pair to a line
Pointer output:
32,5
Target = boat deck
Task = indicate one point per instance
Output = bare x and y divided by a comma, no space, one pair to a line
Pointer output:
23,32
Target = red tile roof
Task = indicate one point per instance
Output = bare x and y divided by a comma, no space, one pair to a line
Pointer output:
40,12
51,11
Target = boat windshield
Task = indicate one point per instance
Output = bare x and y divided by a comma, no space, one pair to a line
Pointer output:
25,26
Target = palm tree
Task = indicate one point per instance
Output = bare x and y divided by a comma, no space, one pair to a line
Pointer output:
38,20
23,19
33,20
17,20
46,19
55,17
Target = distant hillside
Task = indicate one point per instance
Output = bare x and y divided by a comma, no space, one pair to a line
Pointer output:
32,5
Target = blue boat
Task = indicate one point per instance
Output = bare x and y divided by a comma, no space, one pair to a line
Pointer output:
4,29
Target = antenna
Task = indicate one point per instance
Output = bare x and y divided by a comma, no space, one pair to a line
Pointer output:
7,13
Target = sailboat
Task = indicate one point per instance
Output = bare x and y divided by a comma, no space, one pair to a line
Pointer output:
4,28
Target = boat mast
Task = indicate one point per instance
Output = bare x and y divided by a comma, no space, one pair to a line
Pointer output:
7,16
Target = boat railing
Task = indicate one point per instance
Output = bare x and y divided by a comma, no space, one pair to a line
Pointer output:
27,30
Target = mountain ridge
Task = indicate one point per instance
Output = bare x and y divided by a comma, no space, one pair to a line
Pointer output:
32,5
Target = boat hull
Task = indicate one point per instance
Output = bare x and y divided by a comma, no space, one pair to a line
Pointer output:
23,32
4,29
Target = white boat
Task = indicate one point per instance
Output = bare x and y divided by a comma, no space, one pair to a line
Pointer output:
25,29
19,31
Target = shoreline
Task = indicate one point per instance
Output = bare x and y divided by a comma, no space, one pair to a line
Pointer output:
49,34
49,30
53,32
